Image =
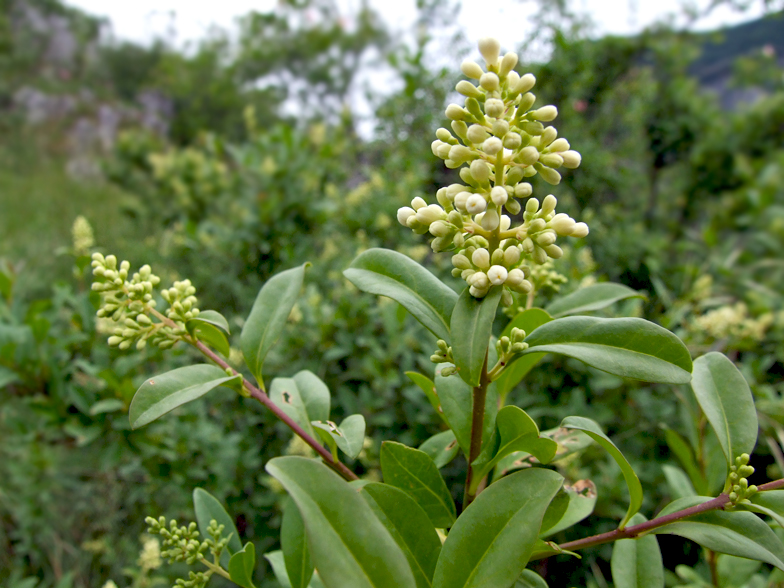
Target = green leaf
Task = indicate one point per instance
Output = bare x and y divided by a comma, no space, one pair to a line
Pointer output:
164,393
528,321
516,432
214,318
276,561
678,482
314,394
7,377
350,547
742,534
771,503
530,579
349,436
208,508
241,566
637,563
628,347
726,400
569,442
591,298
593,430
543,549
389,273
268,317
456,404
209,334
294,545
472,326
493,539
442,448
429,388
409,525
284,392
682,450
581,497
106,405
416,474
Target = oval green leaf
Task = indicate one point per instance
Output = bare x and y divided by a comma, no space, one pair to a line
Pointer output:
726,400
294,545
429,388
771,503
350,547
472,326
164,393
409,525
593,430
388,273
349,437
209,334
628,347
581,498
315,395
637,563
285,393
442,448
106,405
241,566
491,542
742,534
214,318
528,321
591,298
268,317
416,474
530,579
208,508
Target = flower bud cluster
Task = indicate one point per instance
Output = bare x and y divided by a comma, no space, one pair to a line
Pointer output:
128,301
512,345
179,543
739,486
443,354
497,141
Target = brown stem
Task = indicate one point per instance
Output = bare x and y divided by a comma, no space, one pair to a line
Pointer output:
714,570
338,466
477,425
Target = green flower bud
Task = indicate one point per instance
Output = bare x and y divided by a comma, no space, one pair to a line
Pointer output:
466,88
571,159
511,256
548,175
492,146
528,156
536,225
460,128
513,206
114,340
513,141
500,128
494,107
418,203
472,105
460,153
442,152
478,292
548,136
441,229
443,200
461,262
497,258
455,112
559,146
526,102
471,69
477,133
481,258
524,85
490,220
453,190
508,63
515,278
548,204
455,218
456,272
552,160
532,128
545,114
523,190
554,251
444,135
539,256
489,81
490,49
430,214
480,171
479,280
465,175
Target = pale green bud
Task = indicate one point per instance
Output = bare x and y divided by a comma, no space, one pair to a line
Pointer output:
481,258
532,206
499,196
511,256
452,164
441,229
472,104
465,175
571,159
443,151
461,262
524,85
528,156
532,128
490,220
547,137
489,81
477,292
513,206
114,340
435,145
562,224
461,200
552,160
549,175
559,145
460,128
526,101
471,69
545,114
465,274
497,257
466,88
141,344
458,240
455,218
500,128
548,204
506,222
111,262
508,63
460,153
546,238
478,280
497,275
477,133
492,146
515,278
476,204
536,225
490,49
444,135
523,190
512,79
418,203
455,112
580,230
443,200
513,141
430,214
480,171
539,256
456,273
494,107
453,190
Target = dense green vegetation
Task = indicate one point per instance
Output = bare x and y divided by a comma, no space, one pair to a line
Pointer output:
685,202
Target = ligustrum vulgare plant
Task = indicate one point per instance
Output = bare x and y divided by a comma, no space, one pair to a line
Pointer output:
340,531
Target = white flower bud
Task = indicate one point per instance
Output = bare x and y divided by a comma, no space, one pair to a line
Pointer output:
460,261
494,107
476,204
461,200
489,81
507,64
523,190
512,141
559,145
548,204
526,102
497,275
536,225
480,170
525,84
477,292
546,238
443,151
552,160
490,49
435,145
455,112
562,224
478,280
430,214
545,114
453,190
477,133
499,196
492,146
528,245
444,134
481,258
441,229
528,156
580,230
531,206
549,175
500,128
506,222
515,277
418,203
471,69
490,220
571,159
466,88
547,137
460,153
511,256
554,251
403,215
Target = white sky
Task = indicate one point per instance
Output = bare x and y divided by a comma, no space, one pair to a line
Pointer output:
142,20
